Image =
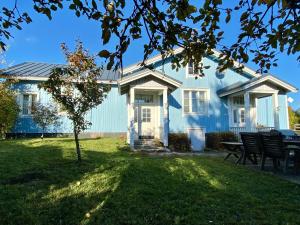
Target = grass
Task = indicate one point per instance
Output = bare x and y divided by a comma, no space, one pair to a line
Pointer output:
41,183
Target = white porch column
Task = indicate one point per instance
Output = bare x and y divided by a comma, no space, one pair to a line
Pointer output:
166,117
131,116
128,117
275,110
247,111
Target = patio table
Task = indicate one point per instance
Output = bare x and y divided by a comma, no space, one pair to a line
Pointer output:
296,143
235,149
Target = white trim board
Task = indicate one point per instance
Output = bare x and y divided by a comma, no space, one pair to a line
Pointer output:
147,72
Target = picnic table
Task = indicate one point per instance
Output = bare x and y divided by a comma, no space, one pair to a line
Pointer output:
235,149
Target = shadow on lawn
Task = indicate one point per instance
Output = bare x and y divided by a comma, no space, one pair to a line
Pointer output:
126,188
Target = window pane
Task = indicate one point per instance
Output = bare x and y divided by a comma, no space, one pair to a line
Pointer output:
196,69
242,116
33,102
201,106
25,104
190,69
146,115
235,116
194,105
202,95
194,94
186,109
186,94
144,98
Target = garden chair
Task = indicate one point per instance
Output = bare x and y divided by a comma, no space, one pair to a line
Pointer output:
274,148
252,146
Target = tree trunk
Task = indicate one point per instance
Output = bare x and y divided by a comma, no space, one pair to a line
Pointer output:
77,146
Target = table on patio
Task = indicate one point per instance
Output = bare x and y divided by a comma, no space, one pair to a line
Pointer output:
235,149
293,143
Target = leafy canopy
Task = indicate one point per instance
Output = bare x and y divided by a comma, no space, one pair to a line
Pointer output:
77,87
266,27
45,115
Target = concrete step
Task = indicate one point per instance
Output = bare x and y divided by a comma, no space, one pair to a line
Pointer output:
147,145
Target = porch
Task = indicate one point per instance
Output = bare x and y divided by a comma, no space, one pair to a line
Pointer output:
147,94
244,100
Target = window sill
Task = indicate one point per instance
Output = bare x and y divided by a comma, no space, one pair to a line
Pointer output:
193,75
195,114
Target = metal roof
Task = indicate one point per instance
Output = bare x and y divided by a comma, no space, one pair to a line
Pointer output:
43,70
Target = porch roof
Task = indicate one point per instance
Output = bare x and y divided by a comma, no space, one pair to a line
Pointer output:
142,74
256,82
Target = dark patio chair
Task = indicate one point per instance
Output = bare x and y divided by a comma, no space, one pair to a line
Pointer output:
252,146
274,148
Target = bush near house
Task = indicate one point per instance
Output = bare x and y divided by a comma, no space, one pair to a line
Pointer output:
179,142
213,140
9,109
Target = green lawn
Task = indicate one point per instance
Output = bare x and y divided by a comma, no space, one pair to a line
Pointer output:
41,183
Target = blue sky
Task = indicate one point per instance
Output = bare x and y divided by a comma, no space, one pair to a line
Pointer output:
40,41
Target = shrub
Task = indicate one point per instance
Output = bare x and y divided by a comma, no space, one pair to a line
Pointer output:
213,140
179,142
9,109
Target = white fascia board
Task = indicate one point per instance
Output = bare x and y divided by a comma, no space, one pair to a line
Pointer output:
145,73
266,78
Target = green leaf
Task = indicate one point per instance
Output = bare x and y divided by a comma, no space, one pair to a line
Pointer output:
104,54
228,17
106,36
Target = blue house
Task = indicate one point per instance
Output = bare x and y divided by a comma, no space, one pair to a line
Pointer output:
152,103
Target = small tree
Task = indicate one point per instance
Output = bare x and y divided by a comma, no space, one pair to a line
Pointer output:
9,108
294,117
76,87
45,115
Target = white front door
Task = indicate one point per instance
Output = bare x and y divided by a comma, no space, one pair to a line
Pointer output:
197,137
145,121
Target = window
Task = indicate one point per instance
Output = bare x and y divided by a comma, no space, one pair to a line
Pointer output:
193,69
195,101
146,115
238,116
235,116
238,100
242,115
144,99
27,103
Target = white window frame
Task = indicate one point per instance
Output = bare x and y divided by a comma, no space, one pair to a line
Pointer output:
20,97
188,75
207,98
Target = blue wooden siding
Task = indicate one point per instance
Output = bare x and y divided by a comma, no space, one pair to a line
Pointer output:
217,118
110,116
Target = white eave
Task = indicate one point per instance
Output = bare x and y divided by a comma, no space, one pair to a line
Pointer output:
264,79
146,72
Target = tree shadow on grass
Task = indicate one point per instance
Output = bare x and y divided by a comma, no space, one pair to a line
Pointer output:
125,188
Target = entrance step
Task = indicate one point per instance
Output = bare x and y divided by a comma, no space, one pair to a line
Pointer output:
147,145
